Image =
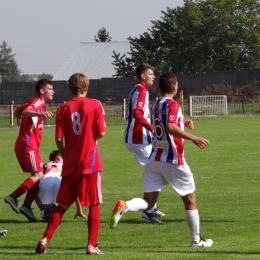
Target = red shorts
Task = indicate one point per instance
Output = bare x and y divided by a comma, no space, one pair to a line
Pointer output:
86,186
30,161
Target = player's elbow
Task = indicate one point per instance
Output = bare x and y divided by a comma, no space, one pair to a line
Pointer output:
100,135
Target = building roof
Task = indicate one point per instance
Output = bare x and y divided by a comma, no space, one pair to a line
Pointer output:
94,59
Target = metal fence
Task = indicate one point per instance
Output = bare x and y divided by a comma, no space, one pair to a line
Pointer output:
237,104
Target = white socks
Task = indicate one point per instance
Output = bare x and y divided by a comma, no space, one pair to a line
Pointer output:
193,221
136,204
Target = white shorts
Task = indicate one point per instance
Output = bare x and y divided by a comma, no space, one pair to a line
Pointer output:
141,152
49,187
158,174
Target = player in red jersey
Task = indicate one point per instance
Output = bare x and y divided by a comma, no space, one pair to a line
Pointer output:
80,122
27,145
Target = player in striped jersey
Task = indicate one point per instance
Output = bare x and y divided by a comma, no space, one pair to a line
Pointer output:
167,164
32,114
138,135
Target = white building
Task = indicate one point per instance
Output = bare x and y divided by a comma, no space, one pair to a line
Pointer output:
94,59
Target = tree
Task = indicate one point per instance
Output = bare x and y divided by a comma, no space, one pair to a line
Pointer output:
8,66
102,36
201,36
45,76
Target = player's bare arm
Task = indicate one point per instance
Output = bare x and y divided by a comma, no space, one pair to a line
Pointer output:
30,113
174,130
60,146
100,135
189,123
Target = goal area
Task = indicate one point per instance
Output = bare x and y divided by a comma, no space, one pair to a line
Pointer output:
215,105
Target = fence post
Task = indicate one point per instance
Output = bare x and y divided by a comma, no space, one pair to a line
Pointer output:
242,101
124,109
12,113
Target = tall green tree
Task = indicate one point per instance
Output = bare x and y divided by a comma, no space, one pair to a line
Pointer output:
102,36
45,76
8,65
200,36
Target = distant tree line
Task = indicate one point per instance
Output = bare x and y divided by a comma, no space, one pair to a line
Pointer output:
200,36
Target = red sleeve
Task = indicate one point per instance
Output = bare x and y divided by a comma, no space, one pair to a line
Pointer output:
101,119
21,108
139,116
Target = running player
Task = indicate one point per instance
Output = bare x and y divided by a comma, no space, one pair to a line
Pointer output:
80,122
138,133
32,114
167,164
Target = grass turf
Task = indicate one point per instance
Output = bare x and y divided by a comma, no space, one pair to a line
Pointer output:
227,182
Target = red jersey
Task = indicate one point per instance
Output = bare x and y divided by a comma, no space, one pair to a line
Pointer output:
30,133
79,121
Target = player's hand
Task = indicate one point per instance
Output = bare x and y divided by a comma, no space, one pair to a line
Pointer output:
80,214
47,114
189,123
200,142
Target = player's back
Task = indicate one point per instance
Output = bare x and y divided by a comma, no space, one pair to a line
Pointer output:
79,121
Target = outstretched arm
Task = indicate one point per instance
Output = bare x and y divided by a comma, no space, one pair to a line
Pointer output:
174,130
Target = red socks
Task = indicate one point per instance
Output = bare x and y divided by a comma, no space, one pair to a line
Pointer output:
25,186
93,224
54,222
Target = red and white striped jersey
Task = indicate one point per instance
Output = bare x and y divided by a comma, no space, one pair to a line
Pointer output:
30,133
166,147
138,130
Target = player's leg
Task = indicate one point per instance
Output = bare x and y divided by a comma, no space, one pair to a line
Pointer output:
91,195
181,179
67,195
29,162
49,186
142,153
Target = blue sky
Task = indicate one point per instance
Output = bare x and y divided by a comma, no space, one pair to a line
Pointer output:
43,33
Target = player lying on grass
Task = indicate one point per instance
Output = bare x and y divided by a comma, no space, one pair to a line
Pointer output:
167,164
50,184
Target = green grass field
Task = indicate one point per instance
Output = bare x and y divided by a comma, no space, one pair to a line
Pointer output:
227,180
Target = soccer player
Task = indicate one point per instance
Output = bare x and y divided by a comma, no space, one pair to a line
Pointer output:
138,133
80,122
32,114
50,184
167,164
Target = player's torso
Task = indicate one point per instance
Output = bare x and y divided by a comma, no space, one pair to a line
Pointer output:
30,133
166,147
137,99
79,127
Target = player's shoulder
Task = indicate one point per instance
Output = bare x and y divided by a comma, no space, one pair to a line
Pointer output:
173,102
93,101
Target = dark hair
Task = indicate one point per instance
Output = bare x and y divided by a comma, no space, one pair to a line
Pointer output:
142,68
167,81
40,85
53,155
